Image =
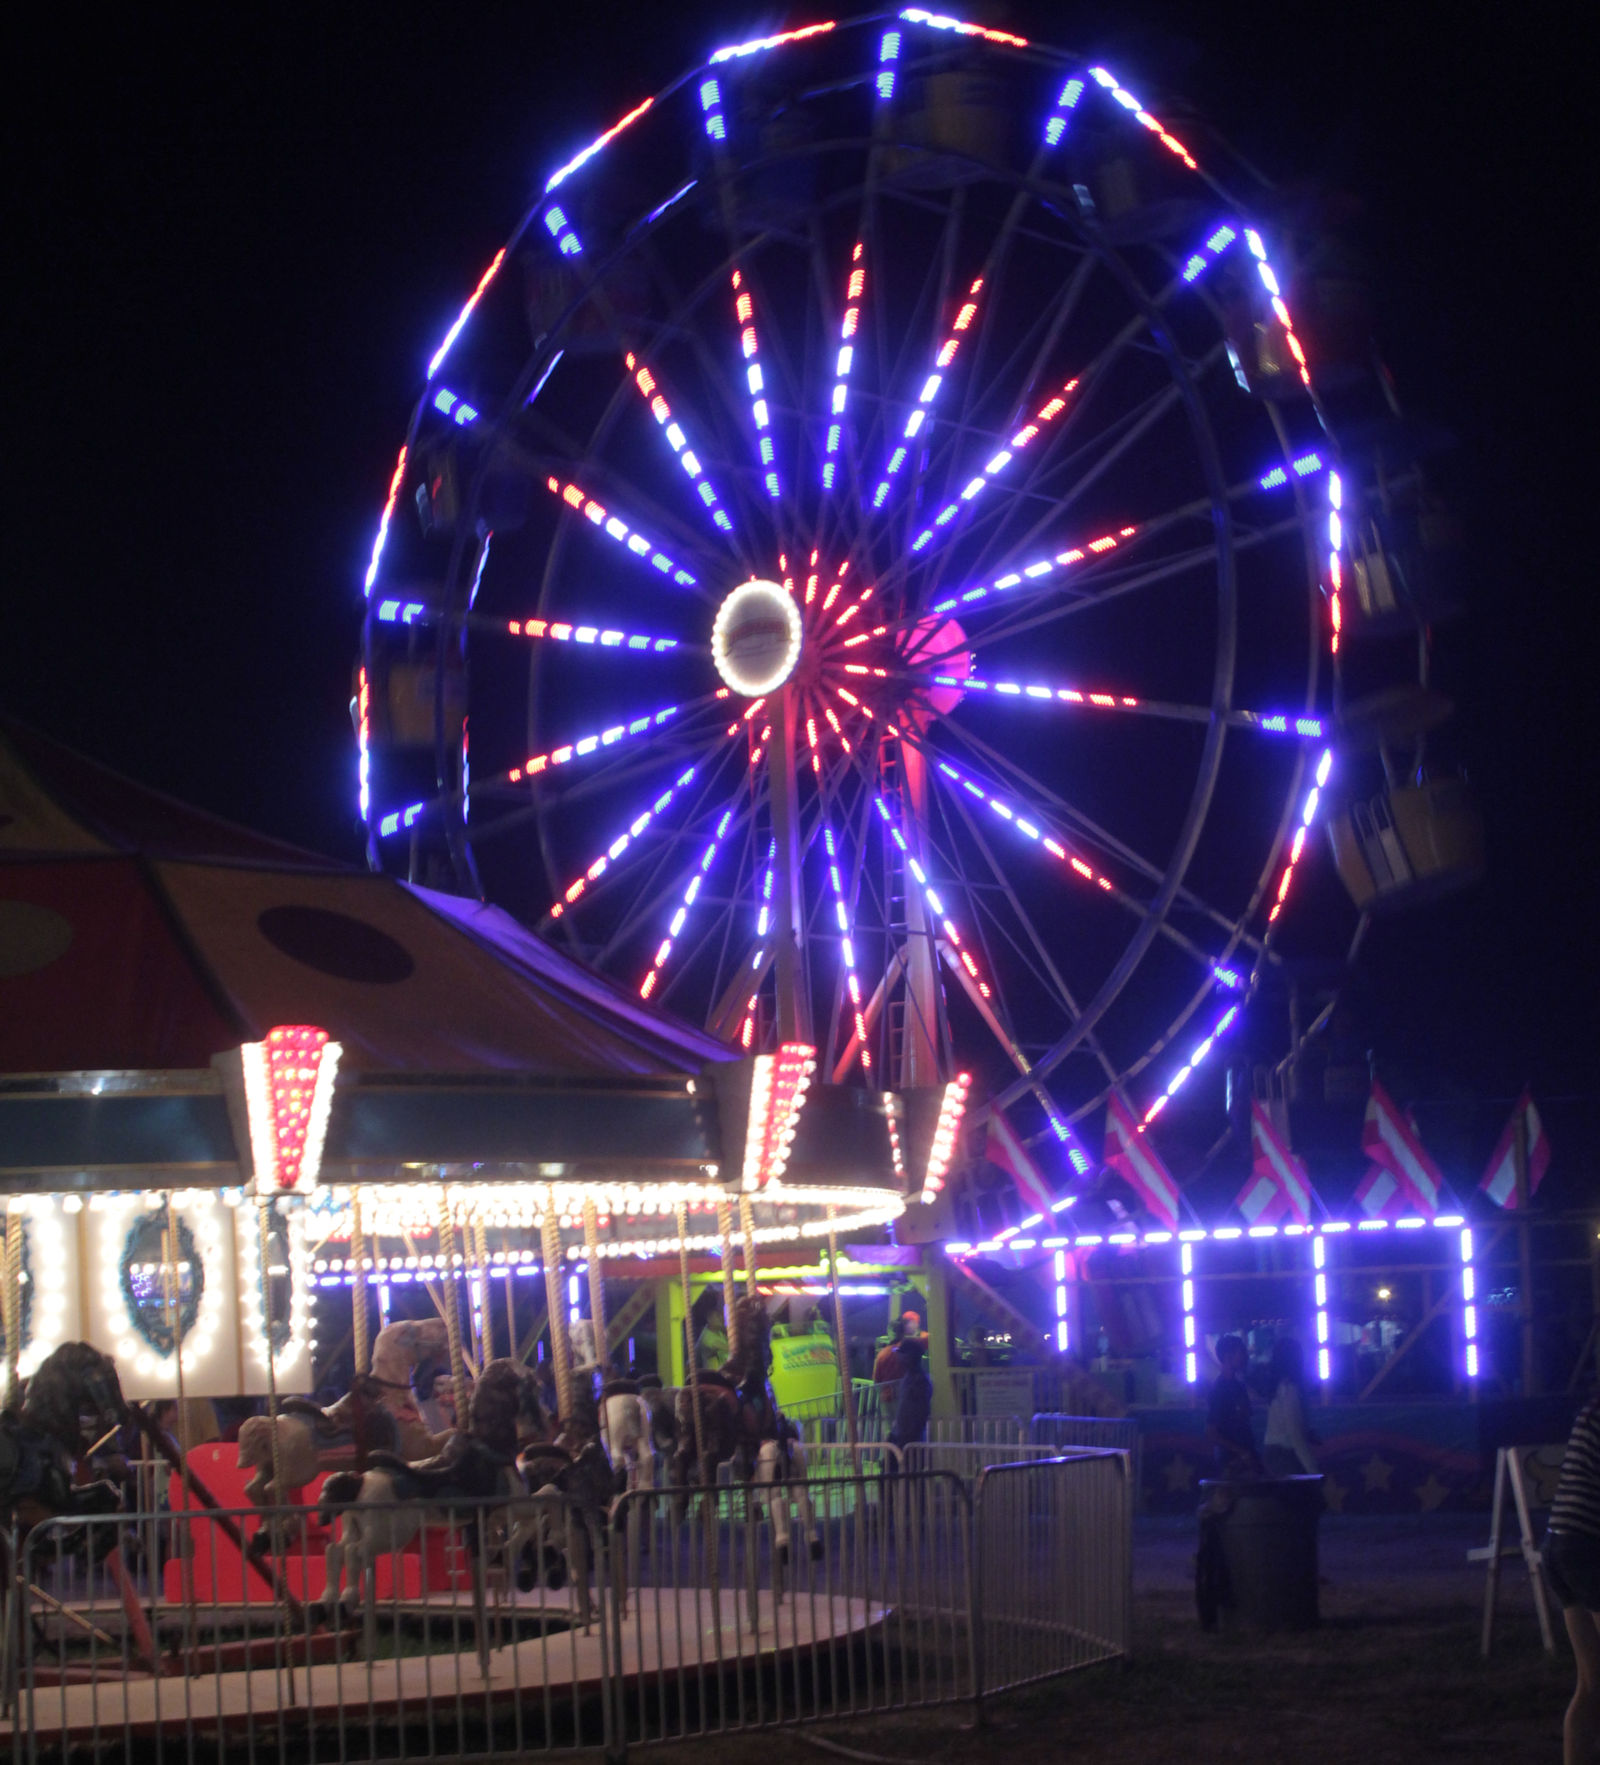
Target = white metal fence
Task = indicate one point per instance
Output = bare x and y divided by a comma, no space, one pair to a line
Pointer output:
877,1582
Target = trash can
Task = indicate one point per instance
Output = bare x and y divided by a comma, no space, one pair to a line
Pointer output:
1262,1535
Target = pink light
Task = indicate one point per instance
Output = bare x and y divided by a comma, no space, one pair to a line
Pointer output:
466,312
595,146
1130,103
678,441
930,387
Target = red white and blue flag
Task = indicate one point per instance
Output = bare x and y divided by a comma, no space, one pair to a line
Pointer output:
1500,1179
1130,1155
1006,1150
1277,1184
1395,1147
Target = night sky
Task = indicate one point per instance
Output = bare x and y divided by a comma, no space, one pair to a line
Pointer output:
237,245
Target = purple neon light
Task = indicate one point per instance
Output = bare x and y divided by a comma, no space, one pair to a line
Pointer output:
1129,103
616,528
997,463
380,539
619,845
578,160
1079,1158
855,288
466,312
1027,827
745,312
1272,722
852,980
763,920
1041,567
678,441
691,891
737,51
930,388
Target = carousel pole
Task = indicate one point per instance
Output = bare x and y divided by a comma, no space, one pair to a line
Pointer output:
597,1285
13,1306
452,1311
691,1371
555,1304
747,1229
172,1275
472,1269
480,1240
843,1345
358,1286
264,1245
730,1272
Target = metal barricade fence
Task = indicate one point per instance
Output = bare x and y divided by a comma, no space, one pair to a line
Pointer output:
1119,1433
797,1601
1052,1545
967,1458
878,1581
155,1636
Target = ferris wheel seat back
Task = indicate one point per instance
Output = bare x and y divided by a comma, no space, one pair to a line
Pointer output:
952,125
1409,845
403,697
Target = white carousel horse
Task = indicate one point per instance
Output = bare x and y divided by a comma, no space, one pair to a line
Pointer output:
384,1508
379,1413
626,1424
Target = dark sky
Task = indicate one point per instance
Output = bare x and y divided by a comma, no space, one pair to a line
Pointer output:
237,244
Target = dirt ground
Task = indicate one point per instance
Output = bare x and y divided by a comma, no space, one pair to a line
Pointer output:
1393,1674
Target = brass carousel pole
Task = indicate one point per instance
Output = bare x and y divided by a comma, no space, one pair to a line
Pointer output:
451,1295
747,1227
358,1287
597,1285
842,1341
556,1305
730,1272
13,1307
691,1371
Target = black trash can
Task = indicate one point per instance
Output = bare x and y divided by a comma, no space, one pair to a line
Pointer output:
1265,1532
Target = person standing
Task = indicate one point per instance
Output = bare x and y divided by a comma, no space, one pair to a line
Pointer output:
915,1403
1228,1430
1288,1447
1572,1567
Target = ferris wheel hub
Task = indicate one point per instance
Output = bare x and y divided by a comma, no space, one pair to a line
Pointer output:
755,639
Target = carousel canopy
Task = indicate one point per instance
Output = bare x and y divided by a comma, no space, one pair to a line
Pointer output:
138,933
139,939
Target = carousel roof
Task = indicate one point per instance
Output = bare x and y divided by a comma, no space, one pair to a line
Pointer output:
139,933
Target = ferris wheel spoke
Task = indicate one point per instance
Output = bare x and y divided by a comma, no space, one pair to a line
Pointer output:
1031,822
1042,962
709,751
1035,693
624,533
677,437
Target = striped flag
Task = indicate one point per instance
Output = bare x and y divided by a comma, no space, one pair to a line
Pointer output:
1006,1150
1500,1179
1278,1183
1390,1141
1130,1155
1379,1193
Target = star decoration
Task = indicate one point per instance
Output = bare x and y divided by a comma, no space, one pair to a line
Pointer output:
1432,1493
1376,1472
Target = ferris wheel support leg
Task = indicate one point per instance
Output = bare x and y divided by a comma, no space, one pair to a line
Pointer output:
869,1015
986,1011
919,1052
794,1004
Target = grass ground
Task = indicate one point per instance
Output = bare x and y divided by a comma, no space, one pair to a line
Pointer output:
1393,1674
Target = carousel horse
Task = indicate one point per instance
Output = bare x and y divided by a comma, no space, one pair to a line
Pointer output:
377,1414
71,1403
383,1509
741,1424
625,1424
574,1465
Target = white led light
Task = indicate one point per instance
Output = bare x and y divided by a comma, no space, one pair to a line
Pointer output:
755,640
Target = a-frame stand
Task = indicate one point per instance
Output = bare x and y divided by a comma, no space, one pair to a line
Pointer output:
1509,1475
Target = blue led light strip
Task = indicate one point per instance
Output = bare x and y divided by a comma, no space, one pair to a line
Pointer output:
1080,1160
855,288
930,390
616,528
621,843
650,389
997,464
847,946
745,312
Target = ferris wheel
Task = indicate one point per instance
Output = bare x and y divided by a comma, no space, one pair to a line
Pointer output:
862,571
